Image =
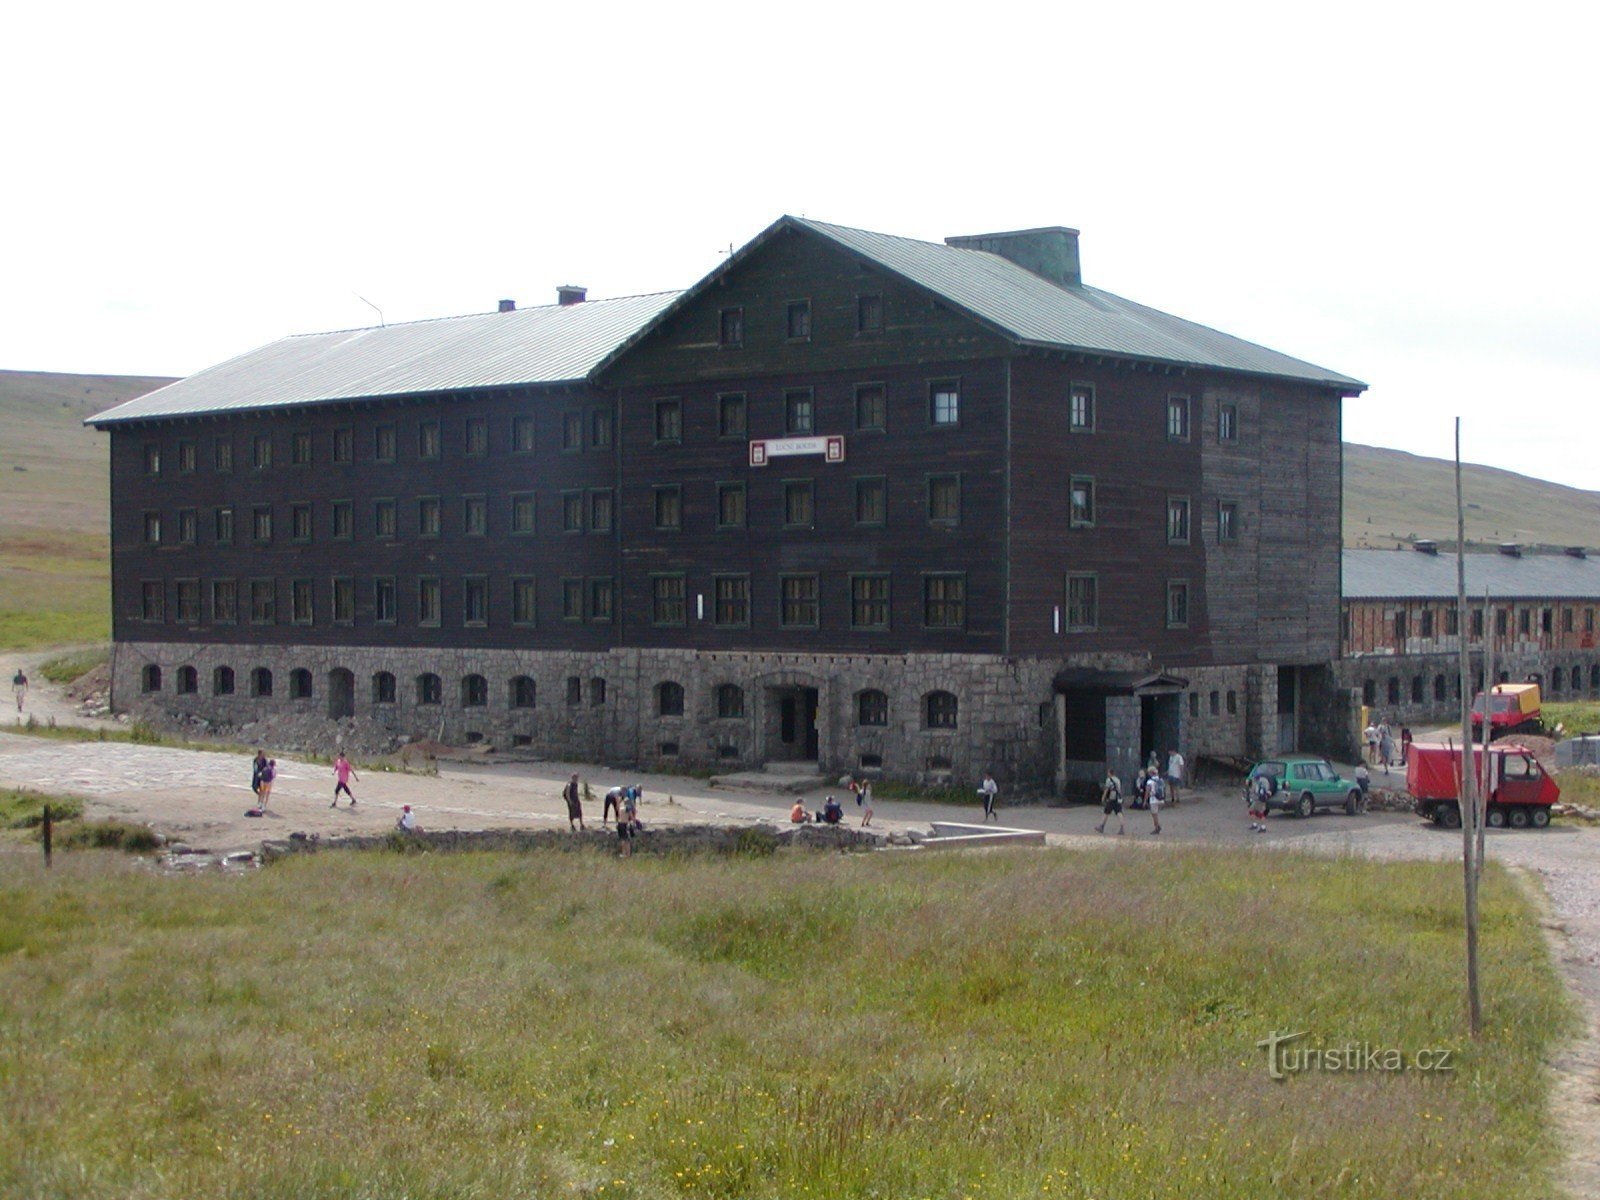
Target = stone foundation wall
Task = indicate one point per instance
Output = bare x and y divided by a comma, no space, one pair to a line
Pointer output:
1407,669
608,706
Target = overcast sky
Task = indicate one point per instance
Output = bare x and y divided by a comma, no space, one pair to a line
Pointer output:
1402,192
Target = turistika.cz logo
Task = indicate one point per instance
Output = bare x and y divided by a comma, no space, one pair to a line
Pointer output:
1285,1058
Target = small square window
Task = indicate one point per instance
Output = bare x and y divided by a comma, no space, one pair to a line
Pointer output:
261,523
869,602
869,314
477,437
344,445
601,506
797,320
669,508
600,430
872,406
798,506
667,600
152,528
188,601
152,458
571,512
383,519
731,415
872,501
300,448
572,431
1227,521
1178,519
944,499
429,511
428,602
799,416
222,526
944,403
1083,603
572,599
474,516
522,435
152,600
186,458
731,327
524,602
601,596
383,601
263,602
428,440
730,505
385,443
944,601
1080,408
1177,604
344,520
1177,418
523,513
1227,422
300,611
731,595
261,452
344,601
1081,502
300,522
669,420
798,601
222,454
475,600
224,601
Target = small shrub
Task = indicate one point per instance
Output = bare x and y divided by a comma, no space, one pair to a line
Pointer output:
69,668
111,835
145,734
22,809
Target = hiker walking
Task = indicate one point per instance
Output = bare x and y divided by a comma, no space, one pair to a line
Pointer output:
268,774
574,798
989,789
1111,803
1152,797
343,773
864,799
257,766
19,687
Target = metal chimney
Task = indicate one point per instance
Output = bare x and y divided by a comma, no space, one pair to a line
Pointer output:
568,294
508,306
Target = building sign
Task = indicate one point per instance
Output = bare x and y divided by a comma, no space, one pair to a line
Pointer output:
830,447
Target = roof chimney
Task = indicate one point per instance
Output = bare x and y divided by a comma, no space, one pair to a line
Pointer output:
1425,546
1577,552
1511,549
571,294
508,306
1050,253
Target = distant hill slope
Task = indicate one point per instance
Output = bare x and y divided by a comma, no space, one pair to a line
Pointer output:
54,505
52,466
1391,497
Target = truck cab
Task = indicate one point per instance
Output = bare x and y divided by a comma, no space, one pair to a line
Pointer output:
1511,706
1521,791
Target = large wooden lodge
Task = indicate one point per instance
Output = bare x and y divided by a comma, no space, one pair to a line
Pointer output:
873,502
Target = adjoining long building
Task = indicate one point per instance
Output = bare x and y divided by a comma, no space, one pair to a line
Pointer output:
862,500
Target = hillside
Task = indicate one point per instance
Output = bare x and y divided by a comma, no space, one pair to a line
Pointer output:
1391,497
54,504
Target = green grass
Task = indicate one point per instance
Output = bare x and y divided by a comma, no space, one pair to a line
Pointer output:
1576,717
23,808
69,668
910,1025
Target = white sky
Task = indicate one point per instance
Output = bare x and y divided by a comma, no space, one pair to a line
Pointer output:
1402,192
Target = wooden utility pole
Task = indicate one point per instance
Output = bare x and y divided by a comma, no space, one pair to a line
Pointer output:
1486,765
1468,803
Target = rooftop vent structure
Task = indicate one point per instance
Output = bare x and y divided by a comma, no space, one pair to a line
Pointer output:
1576,552
1425,546
1050,253
508,306
568,294
1511,549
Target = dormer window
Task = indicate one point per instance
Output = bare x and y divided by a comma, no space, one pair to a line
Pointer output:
798,320
731,330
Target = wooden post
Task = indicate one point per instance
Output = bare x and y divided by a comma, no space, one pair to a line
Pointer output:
47,831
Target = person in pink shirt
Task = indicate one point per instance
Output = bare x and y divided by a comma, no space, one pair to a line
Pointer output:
343,773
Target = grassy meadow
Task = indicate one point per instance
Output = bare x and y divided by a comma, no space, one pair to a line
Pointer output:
907,1025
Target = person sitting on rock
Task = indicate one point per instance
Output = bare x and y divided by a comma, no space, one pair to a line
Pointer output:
832,813
798,814
407,823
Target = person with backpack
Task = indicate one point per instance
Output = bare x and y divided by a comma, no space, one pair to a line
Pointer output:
1153,797
1257,791
1111,803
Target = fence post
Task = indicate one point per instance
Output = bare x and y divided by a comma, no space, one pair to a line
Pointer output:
47,834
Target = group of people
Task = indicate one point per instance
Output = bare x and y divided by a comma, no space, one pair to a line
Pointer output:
832,812
1381,745
264,772
1150,791
621,806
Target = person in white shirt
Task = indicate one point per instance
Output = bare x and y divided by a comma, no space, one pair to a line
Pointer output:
1174,775
989,789
407,823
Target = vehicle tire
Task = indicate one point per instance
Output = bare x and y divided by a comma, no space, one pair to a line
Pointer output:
1519,817
1497,817
1352,803
1449,816
1539,815
1305,806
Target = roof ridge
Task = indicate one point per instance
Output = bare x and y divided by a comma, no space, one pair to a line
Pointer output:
471,316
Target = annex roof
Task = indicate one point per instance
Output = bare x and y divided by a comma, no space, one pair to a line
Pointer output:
1032,311
1411,575
550,344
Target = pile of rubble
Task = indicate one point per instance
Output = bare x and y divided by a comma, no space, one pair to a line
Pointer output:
91,692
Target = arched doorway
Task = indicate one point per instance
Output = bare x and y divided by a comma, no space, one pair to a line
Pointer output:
341,693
